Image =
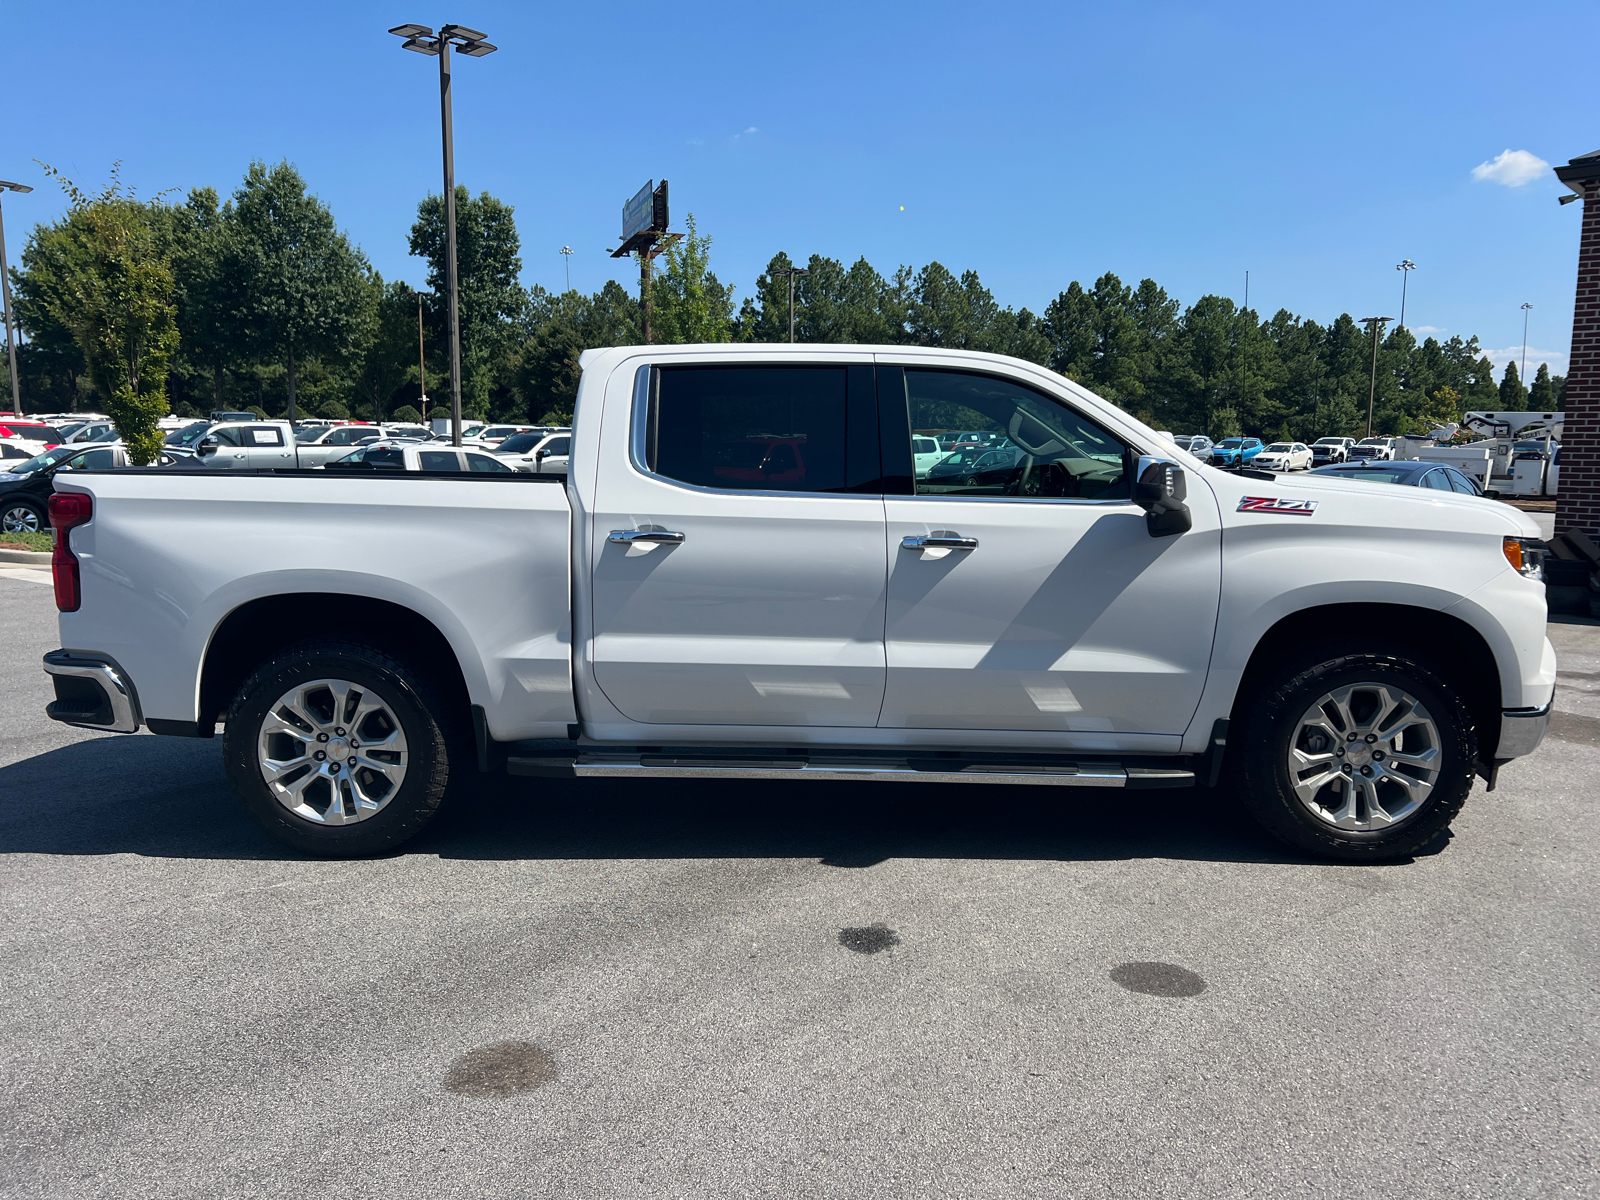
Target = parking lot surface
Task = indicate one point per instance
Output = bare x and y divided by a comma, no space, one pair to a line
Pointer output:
663,988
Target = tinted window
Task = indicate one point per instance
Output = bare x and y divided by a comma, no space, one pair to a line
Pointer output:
1461,483
1031,446
559,446
226,437
1437,480
391,457
485,462
521,443
344,437
755,428
438,460
353,459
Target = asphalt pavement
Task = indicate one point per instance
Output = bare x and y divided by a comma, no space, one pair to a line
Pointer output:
656,989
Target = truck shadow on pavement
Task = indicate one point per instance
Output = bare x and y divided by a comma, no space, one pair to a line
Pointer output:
168,798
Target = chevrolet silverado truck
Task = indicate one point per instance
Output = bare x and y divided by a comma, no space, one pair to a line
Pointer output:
1104,613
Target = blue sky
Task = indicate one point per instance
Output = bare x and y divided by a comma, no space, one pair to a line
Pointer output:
1314,146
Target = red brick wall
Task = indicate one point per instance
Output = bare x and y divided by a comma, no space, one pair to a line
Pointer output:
1578,494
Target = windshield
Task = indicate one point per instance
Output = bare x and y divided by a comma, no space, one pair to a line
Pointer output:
1231,443
1280,448
1372,441
48,459
1329,441
187,435
521,443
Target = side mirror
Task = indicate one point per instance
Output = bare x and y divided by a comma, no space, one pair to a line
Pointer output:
208,445
542,454
1161,488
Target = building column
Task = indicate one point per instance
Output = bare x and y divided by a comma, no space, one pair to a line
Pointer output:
1578,494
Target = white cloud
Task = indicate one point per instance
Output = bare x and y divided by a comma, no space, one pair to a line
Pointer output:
1513,168
1556,358
1425,330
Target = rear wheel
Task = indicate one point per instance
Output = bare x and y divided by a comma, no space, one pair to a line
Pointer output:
333,748
1362,756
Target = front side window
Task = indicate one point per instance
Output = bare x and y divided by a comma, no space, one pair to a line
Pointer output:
749,428
559,446
1014,442
487,463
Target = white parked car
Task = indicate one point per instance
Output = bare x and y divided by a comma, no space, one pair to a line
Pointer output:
1284,456
406,455
732,584
925,453
539,453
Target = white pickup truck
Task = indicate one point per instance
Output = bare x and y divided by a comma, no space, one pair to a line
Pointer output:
743,576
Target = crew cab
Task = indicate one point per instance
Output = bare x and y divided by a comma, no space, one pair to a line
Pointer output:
1330,450
742,576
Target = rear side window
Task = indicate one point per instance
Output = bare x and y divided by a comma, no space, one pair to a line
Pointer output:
487,463
1461,483
749,428
389,457
438,460
263,435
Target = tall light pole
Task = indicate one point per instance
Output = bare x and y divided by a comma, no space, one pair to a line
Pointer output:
470,42
791,272
1405,266
566,253
1526,308
422,358
1375,324
5,288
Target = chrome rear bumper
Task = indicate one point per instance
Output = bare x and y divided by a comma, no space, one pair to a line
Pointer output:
92,692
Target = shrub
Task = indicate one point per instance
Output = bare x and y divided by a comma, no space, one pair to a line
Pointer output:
406,413
334,411
438,414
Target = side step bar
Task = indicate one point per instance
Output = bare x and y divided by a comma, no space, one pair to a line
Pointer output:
657,762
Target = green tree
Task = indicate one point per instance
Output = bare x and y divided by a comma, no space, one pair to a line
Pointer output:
1543,394
387,359
563,327
492,303
117,299
1513,396
297,282
208,316
688,302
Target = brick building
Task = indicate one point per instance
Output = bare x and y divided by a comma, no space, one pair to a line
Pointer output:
1578,496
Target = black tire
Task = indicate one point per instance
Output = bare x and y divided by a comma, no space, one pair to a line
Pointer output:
41,520
1266,721
405,693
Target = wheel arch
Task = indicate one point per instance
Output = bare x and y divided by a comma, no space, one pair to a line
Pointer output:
260,628
1468,664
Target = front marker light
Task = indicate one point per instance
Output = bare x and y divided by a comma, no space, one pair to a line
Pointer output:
1526,556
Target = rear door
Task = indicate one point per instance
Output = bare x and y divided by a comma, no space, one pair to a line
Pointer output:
1034,598
556,452
266,447
726,595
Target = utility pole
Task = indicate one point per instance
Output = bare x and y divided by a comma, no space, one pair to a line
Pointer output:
1375,324
5,289
1247,290
1405,266
471,43
645,256
791,272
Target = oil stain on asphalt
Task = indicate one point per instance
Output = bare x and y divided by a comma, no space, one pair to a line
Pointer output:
868,939
503,1069
1158,979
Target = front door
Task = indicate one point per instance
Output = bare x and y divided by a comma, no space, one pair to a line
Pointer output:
738,578
1034,597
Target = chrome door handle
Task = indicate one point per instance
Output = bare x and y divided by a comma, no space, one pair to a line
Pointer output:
632,537
938,541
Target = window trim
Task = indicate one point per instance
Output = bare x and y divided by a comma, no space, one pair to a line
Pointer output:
645,428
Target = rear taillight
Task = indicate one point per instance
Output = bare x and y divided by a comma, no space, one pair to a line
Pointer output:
67,510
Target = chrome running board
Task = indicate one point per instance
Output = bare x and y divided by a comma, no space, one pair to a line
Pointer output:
663,763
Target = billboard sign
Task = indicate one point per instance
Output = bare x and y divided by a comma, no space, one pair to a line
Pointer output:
638,213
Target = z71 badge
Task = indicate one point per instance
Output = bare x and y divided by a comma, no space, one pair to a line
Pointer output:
1277,504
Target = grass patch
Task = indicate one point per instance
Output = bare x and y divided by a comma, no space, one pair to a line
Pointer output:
25,541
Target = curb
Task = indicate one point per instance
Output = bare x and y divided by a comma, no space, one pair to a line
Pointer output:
33,558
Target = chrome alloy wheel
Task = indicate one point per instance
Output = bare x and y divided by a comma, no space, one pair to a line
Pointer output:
19,518
332,751
1364,757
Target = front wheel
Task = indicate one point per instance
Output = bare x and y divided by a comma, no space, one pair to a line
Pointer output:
1361,756
22,516
333,748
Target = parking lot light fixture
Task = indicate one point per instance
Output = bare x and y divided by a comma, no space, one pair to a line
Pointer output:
1526,309
5,293
470,42
1405,266
1375,324
791,272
